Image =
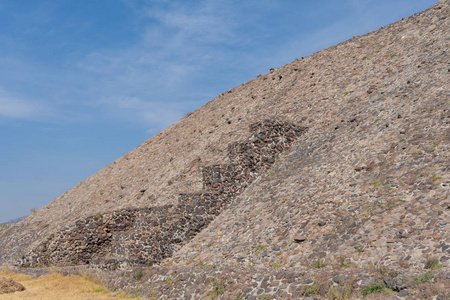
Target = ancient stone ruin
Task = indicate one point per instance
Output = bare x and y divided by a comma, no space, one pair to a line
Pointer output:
150,235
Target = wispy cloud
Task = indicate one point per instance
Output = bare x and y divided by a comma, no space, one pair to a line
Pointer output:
204,22
183,52
103,71
179,46
13,107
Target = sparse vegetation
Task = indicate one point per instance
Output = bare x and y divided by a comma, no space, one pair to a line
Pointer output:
344,263
136,293
277,264
318,264
435,144
139,274
436,178
57,286
340,210
312,290
424,278
259,249
377,182
364,215
433,264
376,287
333,293
217,288
341,293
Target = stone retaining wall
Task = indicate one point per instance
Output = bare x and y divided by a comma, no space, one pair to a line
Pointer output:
149,235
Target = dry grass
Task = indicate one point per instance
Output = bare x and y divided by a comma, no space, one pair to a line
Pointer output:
56,286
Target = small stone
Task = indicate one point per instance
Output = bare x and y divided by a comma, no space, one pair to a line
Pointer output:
403,293
299,238
339,279
360,167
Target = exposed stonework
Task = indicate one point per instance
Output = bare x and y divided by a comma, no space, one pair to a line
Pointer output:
234,282
242,282
364,193
149,235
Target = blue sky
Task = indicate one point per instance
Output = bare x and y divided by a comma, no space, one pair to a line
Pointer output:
83,82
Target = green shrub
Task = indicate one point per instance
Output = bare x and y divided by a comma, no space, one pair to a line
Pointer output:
139,274
433,264
312,290
277,265
376,287
424,278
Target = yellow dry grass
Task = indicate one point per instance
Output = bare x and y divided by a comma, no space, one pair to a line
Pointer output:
56,286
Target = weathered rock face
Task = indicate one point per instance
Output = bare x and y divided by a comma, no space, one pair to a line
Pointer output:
361,198
149,235
370,187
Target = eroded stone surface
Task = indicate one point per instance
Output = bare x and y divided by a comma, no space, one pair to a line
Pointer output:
150,235
363,193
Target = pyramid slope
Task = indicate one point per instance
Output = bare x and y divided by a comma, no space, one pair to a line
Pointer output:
365,187
369,181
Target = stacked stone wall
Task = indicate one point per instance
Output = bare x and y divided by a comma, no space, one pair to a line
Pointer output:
150,235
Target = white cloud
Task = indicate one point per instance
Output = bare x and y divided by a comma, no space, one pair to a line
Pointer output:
12,107
206,22
178,45
185,52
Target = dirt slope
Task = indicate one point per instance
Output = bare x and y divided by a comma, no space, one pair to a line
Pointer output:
366,186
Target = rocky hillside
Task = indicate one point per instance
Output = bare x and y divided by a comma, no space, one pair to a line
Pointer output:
328,176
